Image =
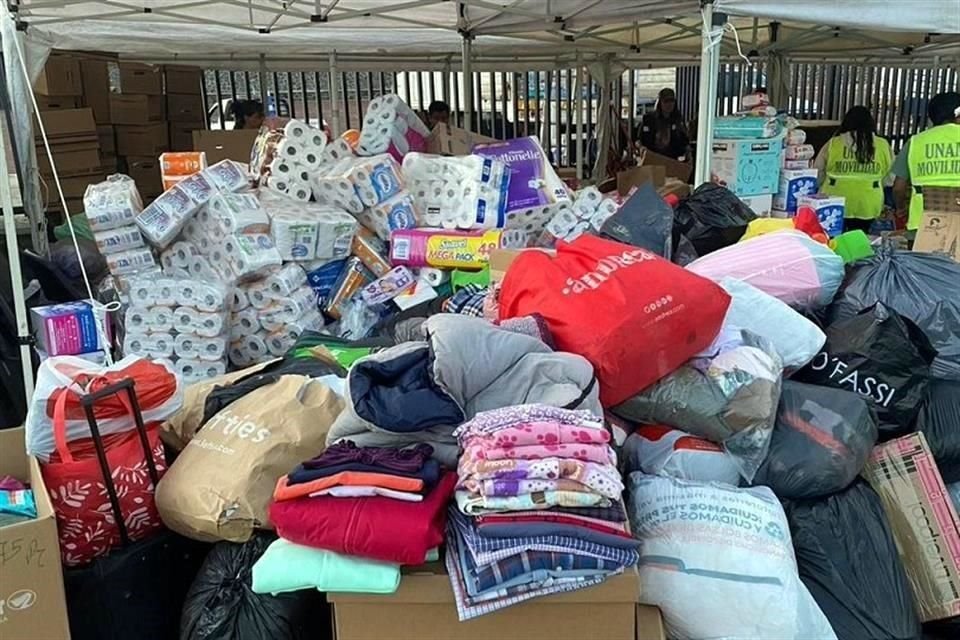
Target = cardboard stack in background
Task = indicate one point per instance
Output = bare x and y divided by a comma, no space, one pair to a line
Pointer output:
138,111
185,110
95,72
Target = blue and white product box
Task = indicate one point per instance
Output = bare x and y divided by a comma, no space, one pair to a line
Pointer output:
794,184
67,329
748,167
830,211
760,205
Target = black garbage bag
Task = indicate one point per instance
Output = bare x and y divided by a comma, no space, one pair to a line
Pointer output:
882,356
711,218
221,604
848,560
645,220
939,420
820,442
922,287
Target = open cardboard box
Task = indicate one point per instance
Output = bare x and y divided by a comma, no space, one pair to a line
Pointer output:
32,601
939,230
451,141
423,607
221,145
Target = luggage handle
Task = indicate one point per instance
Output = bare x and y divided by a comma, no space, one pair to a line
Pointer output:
87,401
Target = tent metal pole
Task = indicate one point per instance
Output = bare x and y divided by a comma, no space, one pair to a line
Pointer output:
334,94
16,277
709,70
467,65
577,101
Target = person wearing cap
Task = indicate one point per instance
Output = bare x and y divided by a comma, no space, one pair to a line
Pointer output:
663,131
930,158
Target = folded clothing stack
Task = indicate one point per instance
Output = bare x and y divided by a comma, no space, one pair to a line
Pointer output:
538,508
369,509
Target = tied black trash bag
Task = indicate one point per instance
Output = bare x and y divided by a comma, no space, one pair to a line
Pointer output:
711,218
939,420
645,220
848,560
882,356
221,604
820,442
922,287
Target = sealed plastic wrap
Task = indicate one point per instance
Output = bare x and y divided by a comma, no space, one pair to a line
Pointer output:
914,285
393,214
939,420
162,220
391,126
533,182
221,604
728,396
663,451
458,192
115,202
239,213
711,218
882,356
796,339
848,559
788,265
718,562
821,440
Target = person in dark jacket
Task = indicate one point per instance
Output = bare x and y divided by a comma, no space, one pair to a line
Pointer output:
663,131
247,114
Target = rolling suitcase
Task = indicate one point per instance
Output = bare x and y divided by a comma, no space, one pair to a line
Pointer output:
138,589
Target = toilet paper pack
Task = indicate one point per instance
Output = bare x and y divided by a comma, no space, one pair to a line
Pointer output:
239,213
391,126
458,192
533,182
397,213
115,202
118,239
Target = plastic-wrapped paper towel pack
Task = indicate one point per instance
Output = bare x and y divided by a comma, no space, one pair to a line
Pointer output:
111,208
589,211
181,320
458,192
391,126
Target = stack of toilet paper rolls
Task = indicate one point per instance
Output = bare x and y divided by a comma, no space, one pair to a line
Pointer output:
293,158
269,315
589,211
464,192
182,320
308,231
111,207
391,126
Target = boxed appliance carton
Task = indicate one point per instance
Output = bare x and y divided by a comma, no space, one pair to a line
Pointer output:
747,167
423,607
32,601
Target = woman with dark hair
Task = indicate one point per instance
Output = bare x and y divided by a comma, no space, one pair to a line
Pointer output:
247,114
854,164
663,131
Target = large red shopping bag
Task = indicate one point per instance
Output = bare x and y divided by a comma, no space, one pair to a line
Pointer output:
82,491
635,316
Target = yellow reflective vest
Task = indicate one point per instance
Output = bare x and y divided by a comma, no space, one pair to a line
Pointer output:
934,161
860,183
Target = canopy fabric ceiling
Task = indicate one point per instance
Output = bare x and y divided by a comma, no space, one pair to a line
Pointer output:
426,34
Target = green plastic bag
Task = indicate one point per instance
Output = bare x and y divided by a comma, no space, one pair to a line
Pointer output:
852,246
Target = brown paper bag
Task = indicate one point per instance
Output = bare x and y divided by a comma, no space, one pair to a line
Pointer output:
181,427
220,486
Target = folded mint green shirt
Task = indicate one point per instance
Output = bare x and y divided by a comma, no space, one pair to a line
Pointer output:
286,566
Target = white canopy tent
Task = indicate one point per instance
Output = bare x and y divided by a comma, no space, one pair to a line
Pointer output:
472,34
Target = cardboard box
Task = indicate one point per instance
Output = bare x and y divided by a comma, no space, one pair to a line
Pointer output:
830,211
75,186
66,329
747,167
673,168
423,607
67,123
923,521
137,109
145,172
181,135
501,259
143,140
141,78
222,145
451,141
55,103
108,164
760,205
184,80
72,158
185,108
650,623
793,184
32,602
107,138
96,88
636,176
939,230
59,77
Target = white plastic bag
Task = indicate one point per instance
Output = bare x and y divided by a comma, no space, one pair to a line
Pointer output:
719,562
158,387
663,451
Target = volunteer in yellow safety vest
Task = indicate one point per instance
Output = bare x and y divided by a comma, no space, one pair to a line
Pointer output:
931,158
854,165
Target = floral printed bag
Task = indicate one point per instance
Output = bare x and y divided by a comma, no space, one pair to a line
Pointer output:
81,497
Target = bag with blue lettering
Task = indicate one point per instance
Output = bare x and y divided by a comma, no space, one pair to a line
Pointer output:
882,356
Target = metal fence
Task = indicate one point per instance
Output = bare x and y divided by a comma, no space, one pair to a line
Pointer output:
897,96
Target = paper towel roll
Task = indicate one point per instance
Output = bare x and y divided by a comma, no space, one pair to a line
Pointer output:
196,370
310,321
238,354
209,297
433,277
160,319
290,278
189,320
211,349
240,300
278,343
297,303
295,236
245,322
272,318
141,294
256,347
185,345
228,176
136,319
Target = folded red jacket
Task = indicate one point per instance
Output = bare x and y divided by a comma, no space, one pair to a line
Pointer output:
286,491
379,528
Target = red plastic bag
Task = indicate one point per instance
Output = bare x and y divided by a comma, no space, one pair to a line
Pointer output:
635,316
85,518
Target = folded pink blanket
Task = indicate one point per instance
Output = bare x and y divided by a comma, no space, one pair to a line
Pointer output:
601,478
599,453
544,432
